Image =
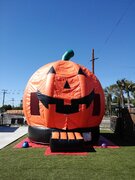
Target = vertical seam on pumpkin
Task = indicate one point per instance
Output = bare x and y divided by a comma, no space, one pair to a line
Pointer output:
78,77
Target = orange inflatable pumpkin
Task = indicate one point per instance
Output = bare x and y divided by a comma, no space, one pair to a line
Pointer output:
63,95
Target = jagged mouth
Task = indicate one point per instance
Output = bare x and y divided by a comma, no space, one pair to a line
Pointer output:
61,107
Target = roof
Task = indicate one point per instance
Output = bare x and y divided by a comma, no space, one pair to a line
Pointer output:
18,112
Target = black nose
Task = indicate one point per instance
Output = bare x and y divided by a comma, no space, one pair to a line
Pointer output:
66,86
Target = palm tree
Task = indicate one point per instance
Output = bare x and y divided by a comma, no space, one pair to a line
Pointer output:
118,91
133,93
112,92
133,97
108,99
127,87
121,85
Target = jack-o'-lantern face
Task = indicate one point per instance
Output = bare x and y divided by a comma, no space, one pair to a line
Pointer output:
62,87
64,95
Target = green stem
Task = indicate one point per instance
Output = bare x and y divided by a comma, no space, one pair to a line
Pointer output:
67,55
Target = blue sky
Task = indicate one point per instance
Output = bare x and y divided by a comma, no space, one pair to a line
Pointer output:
36,32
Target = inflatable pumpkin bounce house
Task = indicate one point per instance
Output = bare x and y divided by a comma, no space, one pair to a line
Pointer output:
64,104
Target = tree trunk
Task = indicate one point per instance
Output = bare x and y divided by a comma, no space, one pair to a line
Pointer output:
122,99
128,100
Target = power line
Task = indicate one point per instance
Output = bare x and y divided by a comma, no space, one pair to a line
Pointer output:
5,99
113,29
118,21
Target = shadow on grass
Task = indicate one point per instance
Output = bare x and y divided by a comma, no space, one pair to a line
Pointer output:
120,140
89,149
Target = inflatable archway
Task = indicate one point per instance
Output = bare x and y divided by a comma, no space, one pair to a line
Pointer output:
65,96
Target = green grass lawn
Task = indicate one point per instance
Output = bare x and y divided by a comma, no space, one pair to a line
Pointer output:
105,163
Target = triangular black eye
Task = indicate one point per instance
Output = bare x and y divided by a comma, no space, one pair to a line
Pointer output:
51,70
81,72
66,86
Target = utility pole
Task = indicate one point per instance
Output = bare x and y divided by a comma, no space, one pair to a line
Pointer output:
93,61
4,91
93,68
12,102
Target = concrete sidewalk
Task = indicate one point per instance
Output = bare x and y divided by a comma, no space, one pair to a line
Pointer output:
11,134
